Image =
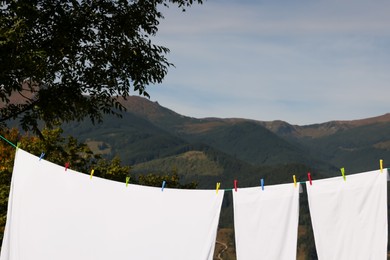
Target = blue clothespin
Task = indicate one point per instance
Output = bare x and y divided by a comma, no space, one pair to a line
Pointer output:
42,154
262,184
163,186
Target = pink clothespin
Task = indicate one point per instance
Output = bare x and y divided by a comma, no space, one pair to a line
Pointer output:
235,185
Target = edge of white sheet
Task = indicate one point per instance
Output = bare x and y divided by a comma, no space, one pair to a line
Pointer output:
58,214
266,222
349,218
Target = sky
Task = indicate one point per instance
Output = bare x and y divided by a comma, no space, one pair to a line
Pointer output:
301,61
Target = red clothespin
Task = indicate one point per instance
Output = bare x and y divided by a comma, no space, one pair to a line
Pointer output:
235,185
309,177
66,166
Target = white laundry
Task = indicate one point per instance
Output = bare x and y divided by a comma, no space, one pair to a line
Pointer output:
266,222
349,217
62,215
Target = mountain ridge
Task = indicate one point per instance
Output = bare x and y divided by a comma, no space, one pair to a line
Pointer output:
153,138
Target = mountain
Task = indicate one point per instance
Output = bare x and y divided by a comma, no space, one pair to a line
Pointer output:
152,138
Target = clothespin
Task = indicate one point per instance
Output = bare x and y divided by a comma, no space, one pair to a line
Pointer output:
295,181
217,187
381,164
92,172
127,180
309,177
235,185
66,166
262,184
17,145
42,154
163,186
343,173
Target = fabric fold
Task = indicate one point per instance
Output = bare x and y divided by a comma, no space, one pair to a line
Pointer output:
349,217
266,222
62,215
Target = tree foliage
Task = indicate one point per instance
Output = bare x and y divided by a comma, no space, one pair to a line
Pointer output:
65,60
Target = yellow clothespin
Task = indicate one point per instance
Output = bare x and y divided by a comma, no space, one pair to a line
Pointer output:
218,185
295,181
343,173
381,164
127,181
92,172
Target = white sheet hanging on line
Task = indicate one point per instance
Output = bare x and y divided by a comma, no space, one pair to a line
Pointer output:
266,222
62,215
349,217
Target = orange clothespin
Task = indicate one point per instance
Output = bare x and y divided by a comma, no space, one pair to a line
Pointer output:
218,186
295,181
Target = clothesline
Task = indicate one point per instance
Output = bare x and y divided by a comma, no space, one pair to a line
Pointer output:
9,142
230,189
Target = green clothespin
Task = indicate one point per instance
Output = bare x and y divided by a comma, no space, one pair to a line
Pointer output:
127,181
343,173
